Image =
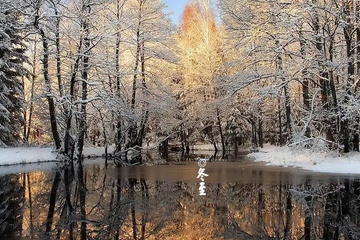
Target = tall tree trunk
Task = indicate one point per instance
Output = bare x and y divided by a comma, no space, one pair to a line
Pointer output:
54,188
132,183
334,122
32,89
133,124
308,225
305,83
253,132
356,139
67,182
348,35
260,133
145,199
49,95
288,214
119,133
25,111
31,215
281,139
324,75
68,141
117,207
280,75
82,197
221,132
137,130
58,52
280,71
145,110
84,76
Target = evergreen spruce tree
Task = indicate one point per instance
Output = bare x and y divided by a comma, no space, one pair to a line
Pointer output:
12,58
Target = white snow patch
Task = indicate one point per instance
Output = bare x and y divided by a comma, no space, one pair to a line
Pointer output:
19,155
330,162
22,155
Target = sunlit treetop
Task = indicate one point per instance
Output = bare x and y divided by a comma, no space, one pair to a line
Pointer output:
198,19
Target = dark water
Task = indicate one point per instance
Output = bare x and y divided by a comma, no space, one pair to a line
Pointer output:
243,201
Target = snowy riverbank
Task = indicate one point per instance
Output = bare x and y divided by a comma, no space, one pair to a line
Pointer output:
330,162
22,155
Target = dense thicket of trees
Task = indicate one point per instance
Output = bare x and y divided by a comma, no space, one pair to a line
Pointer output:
12,60
300,59
119,72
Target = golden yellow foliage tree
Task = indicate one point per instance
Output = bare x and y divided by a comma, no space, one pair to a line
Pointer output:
201,62
199,47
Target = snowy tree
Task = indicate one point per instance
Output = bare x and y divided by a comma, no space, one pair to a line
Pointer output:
303,54
35,9
259,37
201,62
135,51
12,70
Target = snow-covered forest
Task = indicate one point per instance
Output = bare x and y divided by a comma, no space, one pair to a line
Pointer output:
119,72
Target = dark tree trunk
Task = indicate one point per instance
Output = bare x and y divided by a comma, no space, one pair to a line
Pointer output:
330,211
33,79
58,52
117,207
344,122
279,65
54,188
260,206
67,181
221,133
356,139
119,133
133,125
49,95
84,75
145,205
324,75
31,215
82,197
253,133
145,117
288,113
132,183
333,122
68,141
305,83
24,112
164,148
281,139
260,134
288,212
308,231
182,139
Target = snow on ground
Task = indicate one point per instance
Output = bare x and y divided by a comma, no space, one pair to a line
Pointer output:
22,155
330,162
307,159
12,160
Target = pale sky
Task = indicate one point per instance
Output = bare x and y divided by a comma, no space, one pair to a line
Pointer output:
176,7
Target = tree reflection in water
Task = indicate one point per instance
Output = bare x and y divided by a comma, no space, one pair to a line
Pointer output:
11,206
84,203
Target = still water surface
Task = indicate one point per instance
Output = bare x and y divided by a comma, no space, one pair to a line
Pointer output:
243,201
